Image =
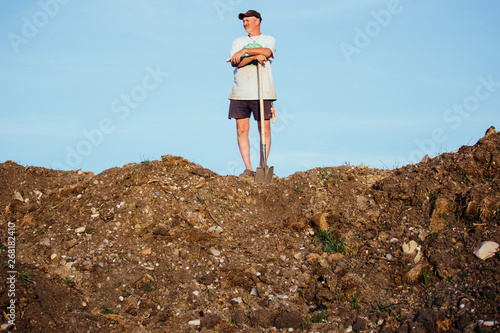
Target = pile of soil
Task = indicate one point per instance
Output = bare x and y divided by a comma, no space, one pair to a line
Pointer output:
169,246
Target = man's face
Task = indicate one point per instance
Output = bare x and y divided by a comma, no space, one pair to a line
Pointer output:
249,23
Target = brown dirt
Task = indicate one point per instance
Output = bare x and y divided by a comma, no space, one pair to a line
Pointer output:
151,260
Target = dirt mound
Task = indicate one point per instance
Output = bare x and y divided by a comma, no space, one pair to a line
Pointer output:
169,246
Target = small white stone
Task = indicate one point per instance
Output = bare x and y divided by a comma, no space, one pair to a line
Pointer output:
419,256
215,229
299,256
486,250
80,230
18,196
215,252
238,300
410,247
195,322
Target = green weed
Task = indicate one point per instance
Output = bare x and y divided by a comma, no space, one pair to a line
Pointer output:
200,198
432,200
149,286
320,318
25,277
105,310
325,175
425,276
330,243
383,308
355,304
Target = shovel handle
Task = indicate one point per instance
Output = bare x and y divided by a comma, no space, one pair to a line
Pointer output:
261,107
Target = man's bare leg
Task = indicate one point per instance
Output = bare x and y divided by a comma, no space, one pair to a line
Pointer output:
267,129
242,128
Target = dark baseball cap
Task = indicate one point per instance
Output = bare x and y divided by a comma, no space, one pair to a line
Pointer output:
250,13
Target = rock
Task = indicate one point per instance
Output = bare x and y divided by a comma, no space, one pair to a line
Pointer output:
334,257
215,229
6,326
312,258
419,256
291,319
18,196
161,231
410,247
320,221
80,230
359,325
486,250
215,252
488,323
262,318
196,235
490,131
203,172
210,320
237,300
195,322
442,213
146,251
414,274
299,256
53,256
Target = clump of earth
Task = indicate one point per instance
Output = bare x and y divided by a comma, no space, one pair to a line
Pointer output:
170,246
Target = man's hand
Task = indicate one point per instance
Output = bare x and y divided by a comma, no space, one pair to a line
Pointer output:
236,58
260,54
260,58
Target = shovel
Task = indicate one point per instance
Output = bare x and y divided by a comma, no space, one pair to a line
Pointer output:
264,174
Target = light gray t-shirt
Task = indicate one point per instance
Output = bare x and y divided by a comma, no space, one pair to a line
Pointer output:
246,83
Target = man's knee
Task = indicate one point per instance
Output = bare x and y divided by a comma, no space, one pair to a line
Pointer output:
242,127
242,131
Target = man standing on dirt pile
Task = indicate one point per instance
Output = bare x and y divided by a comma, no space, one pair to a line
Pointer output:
245,52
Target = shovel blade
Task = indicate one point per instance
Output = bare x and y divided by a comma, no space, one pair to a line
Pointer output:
264,175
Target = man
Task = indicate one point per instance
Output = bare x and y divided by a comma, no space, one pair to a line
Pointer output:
245,53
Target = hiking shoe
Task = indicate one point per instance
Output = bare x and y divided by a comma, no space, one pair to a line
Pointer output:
248,172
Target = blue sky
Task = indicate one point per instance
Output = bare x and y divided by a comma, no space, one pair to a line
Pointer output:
96,84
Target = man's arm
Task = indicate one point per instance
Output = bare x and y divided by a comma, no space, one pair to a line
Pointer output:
260,54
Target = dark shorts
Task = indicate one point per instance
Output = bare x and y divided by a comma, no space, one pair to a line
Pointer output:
243,109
